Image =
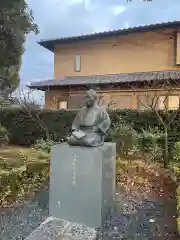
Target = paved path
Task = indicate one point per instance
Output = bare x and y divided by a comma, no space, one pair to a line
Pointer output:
141,214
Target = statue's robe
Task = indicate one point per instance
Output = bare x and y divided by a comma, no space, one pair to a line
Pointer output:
94,122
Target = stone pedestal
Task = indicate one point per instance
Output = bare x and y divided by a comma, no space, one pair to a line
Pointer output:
82,183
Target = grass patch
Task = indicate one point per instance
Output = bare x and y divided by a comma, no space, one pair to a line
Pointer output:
22,172
15,157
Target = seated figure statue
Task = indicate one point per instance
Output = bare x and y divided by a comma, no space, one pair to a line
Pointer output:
91,123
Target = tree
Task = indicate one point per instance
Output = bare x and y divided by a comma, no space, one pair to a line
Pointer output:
26,101
155,99
16,20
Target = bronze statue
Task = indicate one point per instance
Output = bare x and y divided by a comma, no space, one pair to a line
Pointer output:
91,123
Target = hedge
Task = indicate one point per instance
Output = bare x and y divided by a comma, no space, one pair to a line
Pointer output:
23,130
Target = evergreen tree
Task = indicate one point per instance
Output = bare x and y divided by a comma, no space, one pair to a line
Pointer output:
16,20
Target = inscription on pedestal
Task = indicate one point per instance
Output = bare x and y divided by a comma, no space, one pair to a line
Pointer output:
82,183
74,169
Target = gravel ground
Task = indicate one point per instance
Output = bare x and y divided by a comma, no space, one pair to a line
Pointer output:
17,223
143,218
137,216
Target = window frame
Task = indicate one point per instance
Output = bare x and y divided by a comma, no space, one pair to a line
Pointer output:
77,63
174,95
62,101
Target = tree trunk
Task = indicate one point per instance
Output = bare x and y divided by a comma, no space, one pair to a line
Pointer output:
47,134
166,151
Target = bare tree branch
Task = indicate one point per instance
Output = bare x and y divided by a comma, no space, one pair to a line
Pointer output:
152,102
25,101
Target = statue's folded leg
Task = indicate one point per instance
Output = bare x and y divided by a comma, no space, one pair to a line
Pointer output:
91,140
76,142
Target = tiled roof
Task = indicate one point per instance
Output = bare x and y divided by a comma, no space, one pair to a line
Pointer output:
106,79
50,43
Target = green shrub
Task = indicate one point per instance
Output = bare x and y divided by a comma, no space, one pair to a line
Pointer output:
146,141
124,136
22,182
3,136
176,152
25,130
44,145
148,145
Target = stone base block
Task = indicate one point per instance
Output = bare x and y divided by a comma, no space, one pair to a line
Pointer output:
82,183
59,229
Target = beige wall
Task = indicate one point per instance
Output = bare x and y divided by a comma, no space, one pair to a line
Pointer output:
178,48
140,99
152,51
117,99
53,97
125,54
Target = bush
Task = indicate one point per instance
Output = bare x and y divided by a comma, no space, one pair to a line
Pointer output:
146,141
22,182
44,145
23,130
176,152
3,136
148,145
124,136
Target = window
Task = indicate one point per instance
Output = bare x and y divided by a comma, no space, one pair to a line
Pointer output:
173,102
78,63
62,104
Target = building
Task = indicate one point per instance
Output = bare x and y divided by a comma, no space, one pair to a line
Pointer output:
122,65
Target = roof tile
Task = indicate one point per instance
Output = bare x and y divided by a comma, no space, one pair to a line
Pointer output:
106,79
50,43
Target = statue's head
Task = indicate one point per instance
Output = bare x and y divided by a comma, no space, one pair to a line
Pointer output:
90,98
